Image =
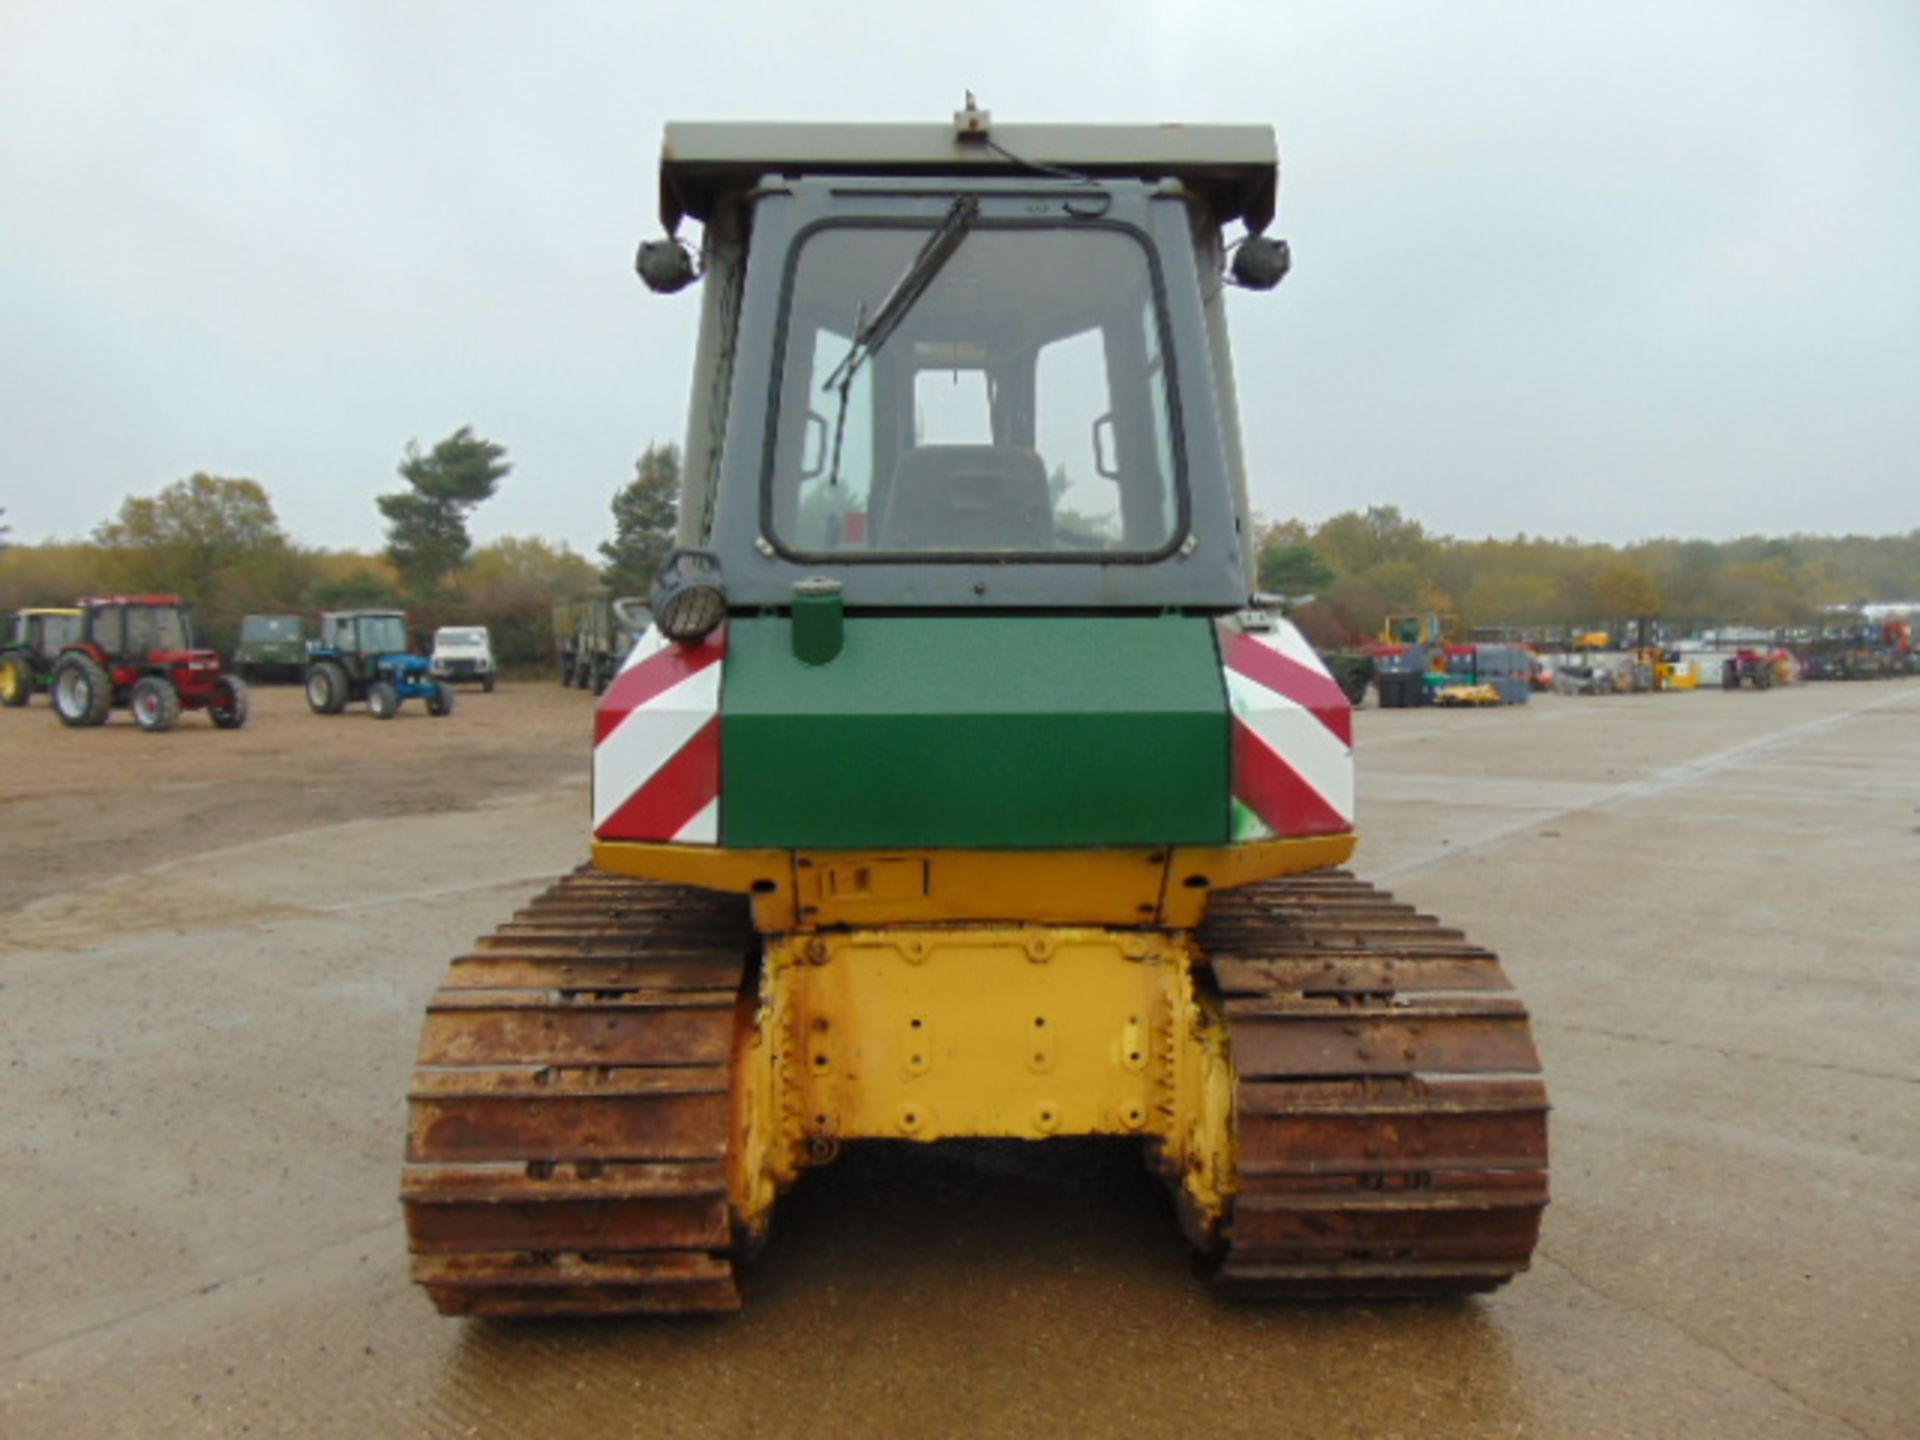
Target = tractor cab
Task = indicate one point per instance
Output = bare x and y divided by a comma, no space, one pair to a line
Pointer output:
136,629
34,640
45,632
363,635
138,651
362,655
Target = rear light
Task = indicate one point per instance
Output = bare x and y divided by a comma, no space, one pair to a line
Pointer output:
690,598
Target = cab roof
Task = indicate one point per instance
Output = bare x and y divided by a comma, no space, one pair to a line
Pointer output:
1235,168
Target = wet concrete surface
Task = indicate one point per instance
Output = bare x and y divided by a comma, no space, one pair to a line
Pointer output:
1708,900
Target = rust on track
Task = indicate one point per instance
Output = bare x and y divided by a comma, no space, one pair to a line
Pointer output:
1389,1112
569,1114
571,1109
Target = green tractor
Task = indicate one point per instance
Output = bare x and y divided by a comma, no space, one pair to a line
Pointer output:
362,655
32,645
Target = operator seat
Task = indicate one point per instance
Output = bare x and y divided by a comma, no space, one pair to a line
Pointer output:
969,497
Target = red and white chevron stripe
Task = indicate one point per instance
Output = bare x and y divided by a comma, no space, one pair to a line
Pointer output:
656,744
1292,736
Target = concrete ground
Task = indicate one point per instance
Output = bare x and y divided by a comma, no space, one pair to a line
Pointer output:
1708,899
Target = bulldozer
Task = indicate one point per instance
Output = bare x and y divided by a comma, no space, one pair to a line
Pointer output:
960,788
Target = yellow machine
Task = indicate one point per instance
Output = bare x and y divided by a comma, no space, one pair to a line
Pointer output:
1431,628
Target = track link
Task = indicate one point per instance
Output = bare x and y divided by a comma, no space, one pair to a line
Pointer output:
1390,1116
570,1110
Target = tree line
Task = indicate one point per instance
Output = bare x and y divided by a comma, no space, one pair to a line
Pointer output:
217,542
1363,565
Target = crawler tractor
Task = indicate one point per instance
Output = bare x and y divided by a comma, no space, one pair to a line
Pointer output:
958,789
137,651
34,640
362,655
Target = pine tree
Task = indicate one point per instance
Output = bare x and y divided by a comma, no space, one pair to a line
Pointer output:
427,524
645,513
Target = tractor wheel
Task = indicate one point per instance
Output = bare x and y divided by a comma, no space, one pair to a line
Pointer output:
156,704
486,683
82,691
383,700
16,682
326,688
441,701
230,703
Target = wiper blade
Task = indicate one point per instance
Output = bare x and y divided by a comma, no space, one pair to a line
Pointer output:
906,293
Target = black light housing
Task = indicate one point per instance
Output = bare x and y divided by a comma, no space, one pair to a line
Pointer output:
1260,263
665,265
690,598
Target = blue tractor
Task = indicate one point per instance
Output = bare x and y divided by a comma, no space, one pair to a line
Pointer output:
363,655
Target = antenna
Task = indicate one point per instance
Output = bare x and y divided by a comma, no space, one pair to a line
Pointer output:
972,123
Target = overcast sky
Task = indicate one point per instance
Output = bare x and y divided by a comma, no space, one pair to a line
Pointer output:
1607,270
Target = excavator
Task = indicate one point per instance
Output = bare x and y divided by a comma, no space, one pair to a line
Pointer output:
961,787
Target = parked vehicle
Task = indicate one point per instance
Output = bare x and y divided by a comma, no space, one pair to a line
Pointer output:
34,641
463,655
272,647
1474,669
362,655
137,651
1352,671
589,641
1747,667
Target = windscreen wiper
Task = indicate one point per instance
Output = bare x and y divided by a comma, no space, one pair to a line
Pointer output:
870,335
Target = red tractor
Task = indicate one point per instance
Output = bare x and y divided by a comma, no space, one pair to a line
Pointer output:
136,651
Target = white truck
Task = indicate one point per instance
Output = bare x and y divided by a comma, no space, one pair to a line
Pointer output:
463,655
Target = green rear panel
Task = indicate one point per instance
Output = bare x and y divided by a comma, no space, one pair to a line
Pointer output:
977,733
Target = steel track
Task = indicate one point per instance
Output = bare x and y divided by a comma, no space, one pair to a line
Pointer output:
568,1121
1390,1116
570,1113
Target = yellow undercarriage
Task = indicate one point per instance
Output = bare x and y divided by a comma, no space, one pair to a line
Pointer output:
1024,1032
1014,994
793,890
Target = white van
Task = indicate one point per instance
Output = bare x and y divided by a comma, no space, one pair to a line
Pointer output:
463,655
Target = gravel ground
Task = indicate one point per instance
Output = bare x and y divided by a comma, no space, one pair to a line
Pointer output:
216,948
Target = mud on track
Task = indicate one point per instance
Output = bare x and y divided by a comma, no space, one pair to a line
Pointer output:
214,950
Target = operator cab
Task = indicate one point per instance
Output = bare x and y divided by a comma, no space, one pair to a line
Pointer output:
46,632
952,374
364,632
137,626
